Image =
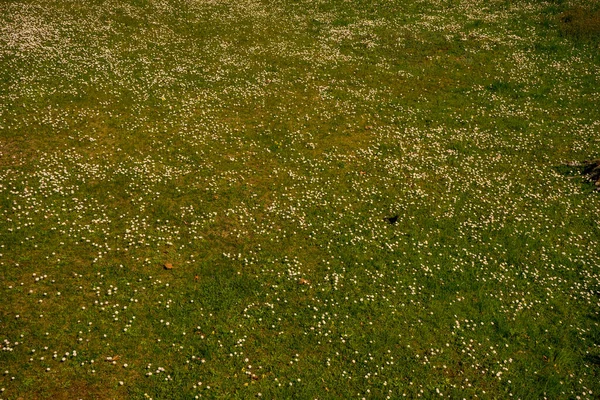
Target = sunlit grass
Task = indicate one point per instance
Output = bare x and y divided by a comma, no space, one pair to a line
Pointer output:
355,200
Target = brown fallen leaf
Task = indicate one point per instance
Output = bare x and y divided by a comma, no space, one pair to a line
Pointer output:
168,266
196,277
303,281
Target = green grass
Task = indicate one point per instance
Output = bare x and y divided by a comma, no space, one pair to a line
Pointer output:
259,147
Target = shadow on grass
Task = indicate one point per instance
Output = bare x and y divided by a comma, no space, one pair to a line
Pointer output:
589,171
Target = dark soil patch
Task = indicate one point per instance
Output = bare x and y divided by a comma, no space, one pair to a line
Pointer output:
580,22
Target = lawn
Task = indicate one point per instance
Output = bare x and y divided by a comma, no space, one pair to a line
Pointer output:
299,199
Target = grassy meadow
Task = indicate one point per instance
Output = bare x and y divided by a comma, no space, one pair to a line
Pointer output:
308,199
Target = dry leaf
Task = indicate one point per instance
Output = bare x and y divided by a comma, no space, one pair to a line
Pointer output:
196,277
168,266
303,281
